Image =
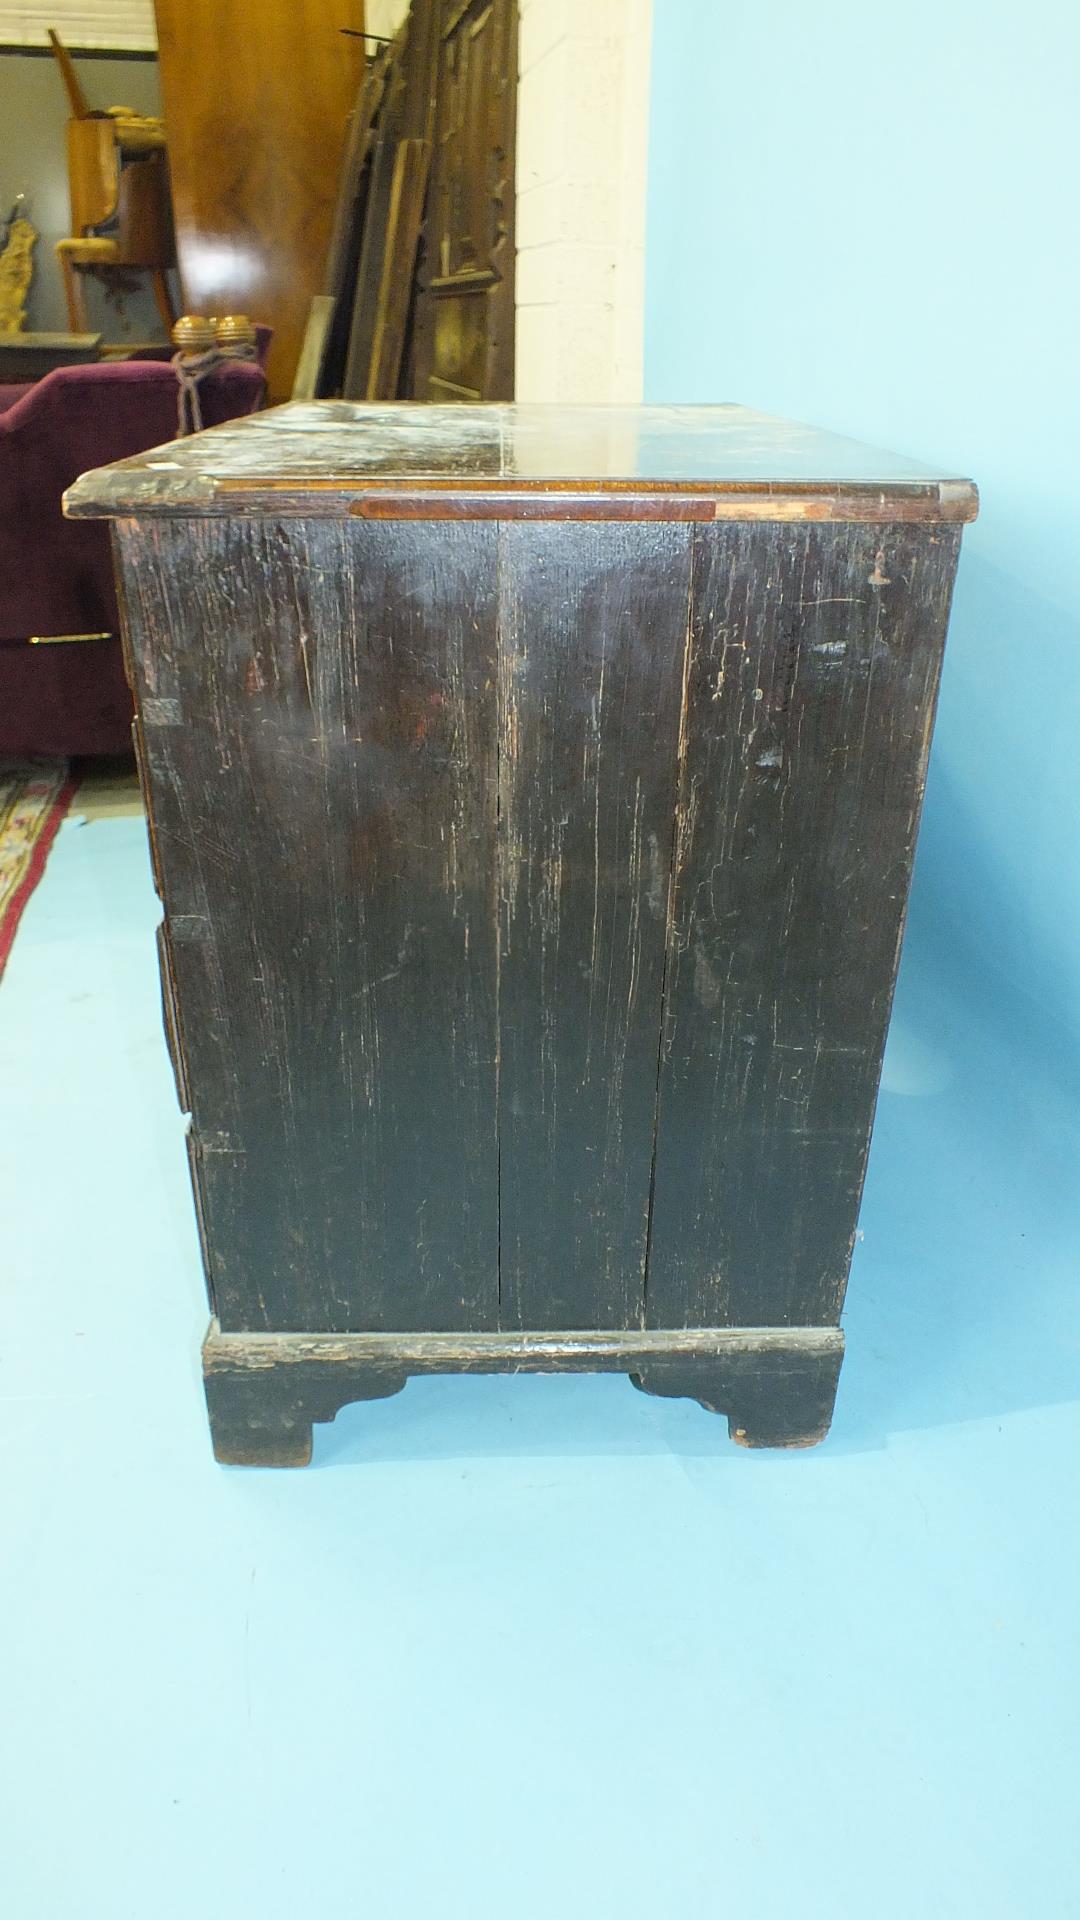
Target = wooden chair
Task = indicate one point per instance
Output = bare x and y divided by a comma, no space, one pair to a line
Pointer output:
121,207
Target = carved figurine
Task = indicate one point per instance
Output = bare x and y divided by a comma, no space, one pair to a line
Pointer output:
16,271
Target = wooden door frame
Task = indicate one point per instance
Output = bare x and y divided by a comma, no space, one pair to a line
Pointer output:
582,129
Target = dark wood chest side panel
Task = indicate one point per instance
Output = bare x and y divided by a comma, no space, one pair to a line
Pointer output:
319,723
593,627
814,662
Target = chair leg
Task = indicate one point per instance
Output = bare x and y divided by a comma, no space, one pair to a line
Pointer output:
74,294
164,299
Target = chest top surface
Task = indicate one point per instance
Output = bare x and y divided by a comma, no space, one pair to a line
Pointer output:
408,460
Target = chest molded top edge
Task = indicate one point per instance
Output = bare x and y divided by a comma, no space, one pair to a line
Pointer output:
410,461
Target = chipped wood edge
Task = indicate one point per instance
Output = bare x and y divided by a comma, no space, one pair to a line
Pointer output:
585,1351
103,494
264,1391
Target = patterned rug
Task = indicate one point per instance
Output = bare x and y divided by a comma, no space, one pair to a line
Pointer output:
34,797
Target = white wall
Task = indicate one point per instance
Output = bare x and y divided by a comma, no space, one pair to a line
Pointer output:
583,91
122,24
384,17
582,117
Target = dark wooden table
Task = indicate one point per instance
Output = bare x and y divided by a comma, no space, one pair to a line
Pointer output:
25,357
533,794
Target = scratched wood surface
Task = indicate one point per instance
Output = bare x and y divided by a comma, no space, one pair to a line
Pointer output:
533,890
319,737
265,1390
592,637
329,455
814,659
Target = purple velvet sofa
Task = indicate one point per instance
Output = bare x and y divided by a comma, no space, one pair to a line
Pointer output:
55,574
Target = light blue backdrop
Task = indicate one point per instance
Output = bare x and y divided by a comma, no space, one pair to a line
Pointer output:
519,1648
865,217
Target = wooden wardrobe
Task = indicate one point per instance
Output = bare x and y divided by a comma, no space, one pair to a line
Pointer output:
256,103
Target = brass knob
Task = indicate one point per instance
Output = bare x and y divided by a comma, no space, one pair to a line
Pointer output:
235,330
193,333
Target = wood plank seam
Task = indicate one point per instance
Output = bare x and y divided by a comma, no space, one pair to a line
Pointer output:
501,607
669,918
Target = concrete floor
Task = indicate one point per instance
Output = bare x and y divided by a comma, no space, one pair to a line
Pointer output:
527,1647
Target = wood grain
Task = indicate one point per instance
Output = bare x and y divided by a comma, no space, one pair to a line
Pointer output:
409,184
592,630
347,229
263,1392
533,886
722,462
324,796
463,320
257,109
313,351
813,669
370,267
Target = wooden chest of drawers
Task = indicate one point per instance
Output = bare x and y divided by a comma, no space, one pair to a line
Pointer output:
533,794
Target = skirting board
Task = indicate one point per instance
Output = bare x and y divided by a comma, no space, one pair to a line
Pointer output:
264,1391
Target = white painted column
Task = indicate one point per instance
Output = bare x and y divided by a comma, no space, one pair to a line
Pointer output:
582,130
582,124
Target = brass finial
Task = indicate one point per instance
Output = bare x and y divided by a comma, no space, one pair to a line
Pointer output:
235,330
193,333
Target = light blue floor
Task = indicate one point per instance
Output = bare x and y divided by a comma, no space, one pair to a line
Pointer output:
517,1648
